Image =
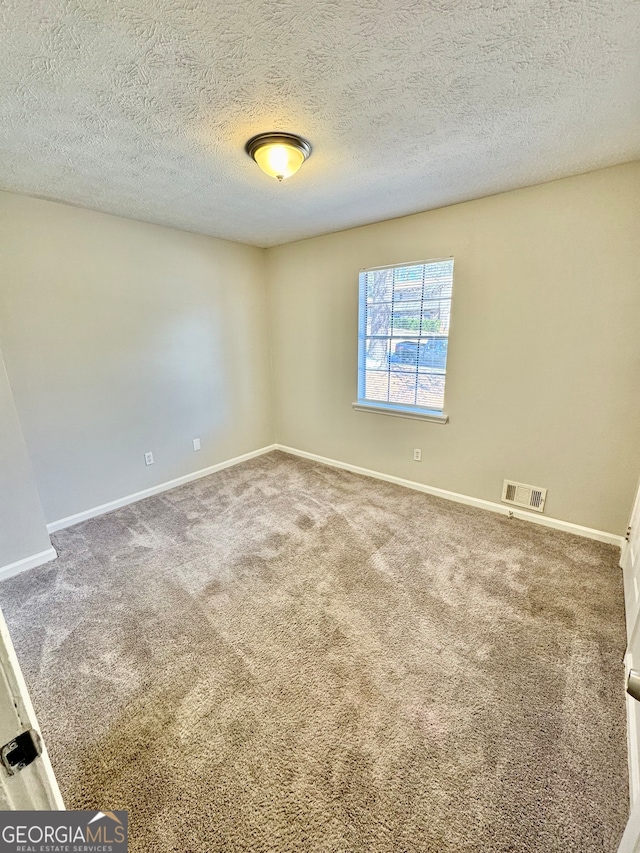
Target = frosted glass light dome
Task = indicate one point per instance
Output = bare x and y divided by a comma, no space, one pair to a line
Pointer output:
279,155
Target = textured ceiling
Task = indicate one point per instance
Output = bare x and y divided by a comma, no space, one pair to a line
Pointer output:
142,108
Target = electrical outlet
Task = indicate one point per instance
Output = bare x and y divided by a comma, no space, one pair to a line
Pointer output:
148,458
196,444
417,455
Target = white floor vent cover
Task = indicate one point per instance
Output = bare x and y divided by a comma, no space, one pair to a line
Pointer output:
520,494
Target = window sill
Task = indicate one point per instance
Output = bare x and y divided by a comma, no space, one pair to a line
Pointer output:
434,417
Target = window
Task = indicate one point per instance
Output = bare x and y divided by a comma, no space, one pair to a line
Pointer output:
403,338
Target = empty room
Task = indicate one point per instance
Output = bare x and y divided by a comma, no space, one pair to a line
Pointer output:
320,426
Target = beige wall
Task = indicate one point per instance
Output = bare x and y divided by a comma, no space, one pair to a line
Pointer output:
544,354
122,337
23,532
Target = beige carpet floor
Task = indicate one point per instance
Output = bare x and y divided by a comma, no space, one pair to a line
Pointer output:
288,657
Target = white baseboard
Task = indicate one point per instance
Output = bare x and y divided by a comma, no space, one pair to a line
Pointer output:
545,521
86,514
28,563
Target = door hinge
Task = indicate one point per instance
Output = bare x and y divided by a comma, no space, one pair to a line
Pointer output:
628,536
21,751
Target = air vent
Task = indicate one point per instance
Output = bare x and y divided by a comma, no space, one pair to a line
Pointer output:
520,494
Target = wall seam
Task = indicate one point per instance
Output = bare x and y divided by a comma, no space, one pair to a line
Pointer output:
272,373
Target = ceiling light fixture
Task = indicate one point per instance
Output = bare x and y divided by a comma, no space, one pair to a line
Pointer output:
279,155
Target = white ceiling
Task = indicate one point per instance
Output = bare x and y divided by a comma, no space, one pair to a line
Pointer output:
142,108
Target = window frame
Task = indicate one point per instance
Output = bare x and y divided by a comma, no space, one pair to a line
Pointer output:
362,404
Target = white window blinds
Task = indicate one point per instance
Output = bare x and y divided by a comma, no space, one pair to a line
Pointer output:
404,335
